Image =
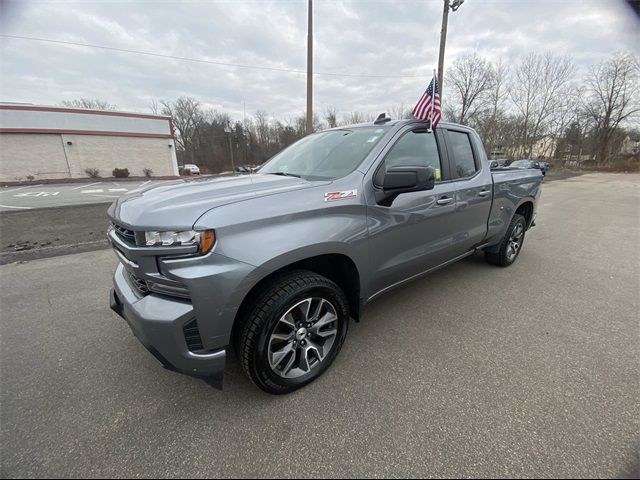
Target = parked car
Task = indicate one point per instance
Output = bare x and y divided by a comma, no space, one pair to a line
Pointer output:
522,164
191,168
277,262
499,163
544,166
242,169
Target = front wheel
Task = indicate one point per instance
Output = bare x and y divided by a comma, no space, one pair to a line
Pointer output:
511,244
294,332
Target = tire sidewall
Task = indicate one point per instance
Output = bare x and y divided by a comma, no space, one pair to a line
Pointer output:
518,219
261,361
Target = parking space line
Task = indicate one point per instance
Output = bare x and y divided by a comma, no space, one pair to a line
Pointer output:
84,186
21,208
108,196
9,189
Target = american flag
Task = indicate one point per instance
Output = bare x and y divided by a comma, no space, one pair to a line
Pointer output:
428,107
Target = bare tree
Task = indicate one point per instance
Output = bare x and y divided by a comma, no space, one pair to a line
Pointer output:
330,117
611,99
358,117
187,116
92,103
155,107
566,113
536,92
497,94
400,111
471,78
263,130
492,124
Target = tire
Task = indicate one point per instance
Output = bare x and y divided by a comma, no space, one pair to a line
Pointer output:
275,351
504,256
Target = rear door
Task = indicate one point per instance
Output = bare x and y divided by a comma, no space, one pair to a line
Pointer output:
473,187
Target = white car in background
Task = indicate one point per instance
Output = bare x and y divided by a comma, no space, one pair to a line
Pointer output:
191,168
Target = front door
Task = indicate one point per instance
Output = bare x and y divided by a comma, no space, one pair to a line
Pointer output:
414,233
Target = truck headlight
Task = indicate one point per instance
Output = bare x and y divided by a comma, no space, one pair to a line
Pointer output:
203,239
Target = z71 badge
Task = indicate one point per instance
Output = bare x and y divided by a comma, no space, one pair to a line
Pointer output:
344,195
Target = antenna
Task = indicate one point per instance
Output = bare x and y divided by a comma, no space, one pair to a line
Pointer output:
382,118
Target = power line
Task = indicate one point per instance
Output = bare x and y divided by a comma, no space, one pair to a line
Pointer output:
201,60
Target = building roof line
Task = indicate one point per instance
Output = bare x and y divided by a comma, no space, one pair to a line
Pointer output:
88,111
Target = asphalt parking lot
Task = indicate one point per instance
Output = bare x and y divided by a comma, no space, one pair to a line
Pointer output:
473,371
56,195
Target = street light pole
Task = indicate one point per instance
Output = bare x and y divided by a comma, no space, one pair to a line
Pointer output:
453,5
310,69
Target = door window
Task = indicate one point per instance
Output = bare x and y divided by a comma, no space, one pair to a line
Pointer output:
415,148
464,164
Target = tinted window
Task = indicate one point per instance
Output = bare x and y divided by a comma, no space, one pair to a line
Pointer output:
415,149
460,147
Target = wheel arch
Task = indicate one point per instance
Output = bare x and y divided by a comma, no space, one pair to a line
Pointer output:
337,267
526,209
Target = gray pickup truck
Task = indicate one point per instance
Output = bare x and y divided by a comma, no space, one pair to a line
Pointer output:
273,265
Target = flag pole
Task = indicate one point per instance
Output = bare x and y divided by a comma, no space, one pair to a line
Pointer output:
433,96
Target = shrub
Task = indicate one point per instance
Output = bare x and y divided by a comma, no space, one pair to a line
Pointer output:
31,178
120,172
147,172
92,172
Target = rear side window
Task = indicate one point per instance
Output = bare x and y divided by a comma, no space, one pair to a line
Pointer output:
415,148
459,145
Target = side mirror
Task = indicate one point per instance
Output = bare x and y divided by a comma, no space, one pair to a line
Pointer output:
398,180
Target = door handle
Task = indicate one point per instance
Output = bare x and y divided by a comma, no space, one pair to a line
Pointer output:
484,193
444,201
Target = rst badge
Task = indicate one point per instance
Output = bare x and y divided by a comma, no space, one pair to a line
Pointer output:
344,195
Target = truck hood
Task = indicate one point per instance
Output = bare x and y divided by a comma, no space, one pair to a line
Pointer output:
178,204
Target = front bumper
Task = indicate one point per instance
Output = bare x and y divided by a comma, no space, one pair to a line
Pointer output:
158,322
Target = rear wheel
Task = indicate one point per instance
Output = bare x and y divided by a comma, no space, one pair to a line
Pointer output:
511,244
294,332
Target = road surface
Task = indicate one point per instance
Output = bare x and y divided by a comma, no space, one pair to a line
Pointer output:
57,195
473,371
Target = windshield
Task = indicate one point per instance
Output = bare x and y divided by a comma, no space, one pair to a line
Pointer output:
326,155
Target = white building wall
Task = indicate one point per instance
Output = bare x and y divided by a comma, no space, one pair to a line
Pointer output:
53,143
61,119
50,156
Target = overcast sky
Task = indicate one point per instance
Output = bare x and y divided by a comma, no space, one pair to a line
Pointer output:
354,37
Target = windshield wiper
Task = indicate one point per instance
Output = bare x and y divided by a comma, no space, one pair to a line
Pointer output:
285,174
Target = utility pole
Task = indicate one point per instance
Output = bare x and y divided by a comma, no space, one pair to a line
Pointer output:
229,132
310,70
453,5
443,42
244,129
